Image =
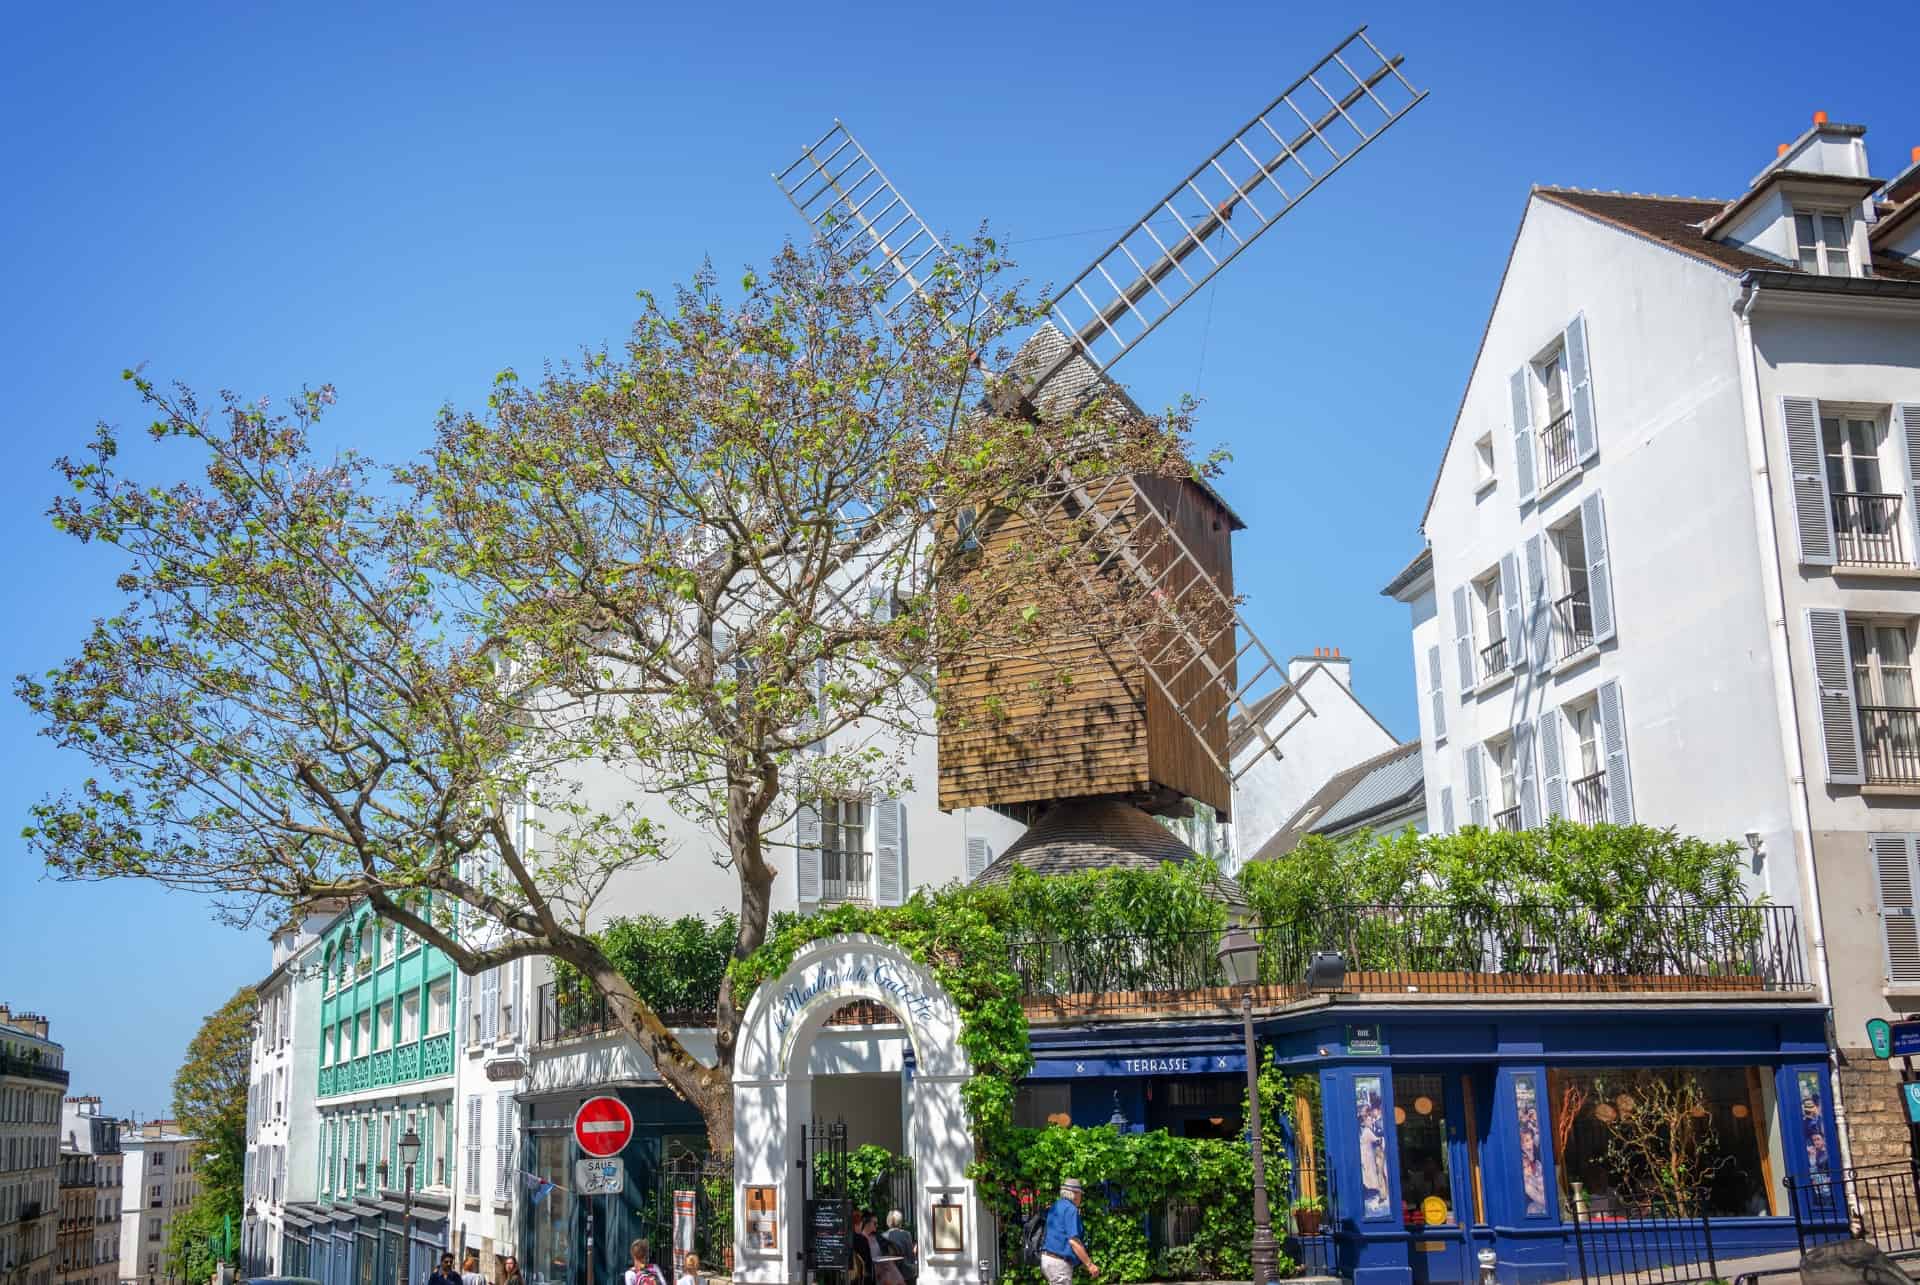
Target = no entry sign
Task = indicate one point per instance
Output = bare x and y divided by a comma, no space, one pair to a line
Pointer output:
602,1126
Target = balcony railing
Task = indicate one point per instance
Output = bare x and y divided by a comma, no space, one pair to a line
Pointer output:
566,1014
1572,624
1890,737
1556,450
1502,948
1867,527
1590,798
1493,658
32,1070
1508,819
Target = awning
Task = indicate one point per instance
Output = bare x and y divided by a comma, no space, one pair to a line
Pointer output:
1133,1066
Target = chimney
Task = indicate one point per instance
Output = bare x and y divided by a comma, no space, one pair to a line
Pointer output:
1338,666
1819,118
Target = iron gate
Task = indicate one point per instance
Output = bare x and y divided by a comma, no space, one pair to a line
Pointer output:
827,1227
711,1181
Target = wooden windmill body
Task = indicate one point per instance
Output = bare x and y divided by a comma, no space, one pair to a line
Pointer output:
1136,727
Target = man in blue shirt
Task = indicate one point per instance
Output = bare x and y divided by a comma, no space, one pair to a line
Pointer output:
1066,1238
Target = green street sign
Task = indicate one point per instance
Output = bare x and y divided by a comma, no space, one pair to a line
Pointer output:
1911,1093
1880,1035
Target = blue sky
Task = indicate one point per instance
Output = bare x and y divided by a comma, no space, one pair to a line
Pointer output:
404,199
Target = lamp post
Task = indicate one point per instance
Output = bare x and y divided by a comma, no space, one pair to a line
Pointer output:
248,1222
409,1154
1240,958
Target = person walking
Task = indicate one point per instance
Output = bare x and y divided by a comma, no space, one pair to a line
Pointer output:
1066,1237
689,1270
470,1271
643,1272
445,1273
510,1271
899,1242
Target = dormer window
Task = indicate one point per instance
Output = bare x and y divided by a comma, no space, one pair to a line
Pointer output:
1823,242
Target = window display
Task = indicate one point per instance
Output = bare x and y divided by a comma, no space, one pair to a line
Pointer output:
1426,1180
1369,1114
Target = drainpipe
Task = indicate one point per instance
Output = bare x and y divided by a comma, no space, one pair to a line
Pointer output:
1786,700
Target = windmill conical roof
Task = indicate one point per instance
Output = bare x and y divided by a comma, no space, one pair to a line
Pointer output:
1096,834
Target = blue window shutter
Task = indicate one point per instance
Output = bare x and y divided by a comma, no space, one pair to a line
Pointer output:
1436,694
1593,530
1553,781
1524,776
1586,439
1893,870
1812,511
1839,710
806,826
1446,809
979,857
1476,788
1520,395
1514,610
889,838
1613,746
1463,639
1909,415
1540,637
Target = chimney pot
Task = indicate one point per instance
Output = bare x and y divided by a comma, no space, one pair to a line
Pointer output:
1781,150
1819,118
1916,156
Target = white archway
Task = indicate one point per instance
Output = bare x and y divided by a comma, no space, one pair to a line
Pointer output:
773,1098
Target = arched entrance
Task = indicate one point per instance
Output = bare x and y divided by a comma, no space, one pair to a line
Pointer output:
773,1099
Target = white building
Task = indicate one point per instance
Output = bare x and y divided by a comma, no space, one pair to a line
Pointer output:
33,1079
157,1185
1674,569
282,1122
1320,728
1385,794
90,1194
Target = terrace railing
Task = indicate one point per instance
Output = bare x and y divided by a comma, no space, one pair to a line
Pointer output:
1464,948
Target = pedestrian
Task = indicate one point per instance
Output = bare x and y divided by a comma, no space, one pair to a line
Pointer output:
470,1271
510,1271
1066,1237
445,1273
884,1272
689,1270
862,1250
643,1272
899,1242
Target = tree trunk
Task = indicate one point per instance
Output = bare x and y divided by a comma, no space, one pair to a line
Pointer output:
747,801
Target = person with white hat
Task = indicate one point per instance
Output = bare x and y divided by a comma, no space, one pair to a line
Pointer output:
1066,1237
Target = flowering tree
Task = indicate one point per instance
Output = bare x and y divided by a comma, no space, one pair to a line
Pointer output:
720,557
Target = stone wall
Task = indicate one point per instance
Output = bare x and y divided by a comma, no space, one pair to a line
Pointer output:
1876,1120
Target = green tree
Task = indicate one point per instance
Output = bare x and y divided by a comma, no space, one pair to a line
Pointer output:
210,1103
334,680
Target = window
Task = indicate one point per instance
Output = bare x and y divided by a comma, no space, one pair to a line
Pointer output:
365,1043
1882,655
438,1008
383,1025
1506,793
1586,770
1717,1124
410,1017
1038,1103
1421,1122
1823,242
845,871
1493,628
1557,452
1572,601
1866,514
1484,474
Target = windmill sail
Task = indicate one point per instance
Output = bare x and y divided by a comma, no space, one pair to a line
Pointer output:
1208,665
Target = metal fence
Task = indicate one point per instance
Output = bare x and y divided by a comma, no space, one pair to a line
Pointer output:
1659,1242
1880,1203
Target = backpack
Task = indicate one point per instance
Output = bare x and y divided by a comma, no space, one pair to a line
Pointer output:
1033,1240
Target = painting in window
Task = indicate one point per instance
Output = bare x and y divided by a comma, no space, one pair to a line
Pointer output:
1813,1121
1684,1140
1369,1113
1533,1172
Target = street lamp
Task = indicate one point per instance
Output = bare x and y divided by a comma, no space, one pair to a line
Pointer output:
247,1224
1240,958
409,1154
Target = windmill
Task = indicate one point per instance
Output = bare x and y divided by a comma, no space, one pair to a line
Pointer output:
1149,728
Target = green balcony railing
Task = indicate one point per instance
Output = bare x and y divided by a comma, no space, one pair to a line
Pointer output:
420,1060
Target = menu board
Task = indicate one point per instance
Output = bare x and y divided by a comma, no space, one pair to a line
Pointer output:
829,1234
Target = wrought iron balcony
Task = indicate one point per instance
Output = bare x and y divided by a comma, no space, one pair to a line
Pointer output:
28,1068
1556,450
1508,819
1572,624
1590,798
1890,738
1866,528
565,1014
1493,658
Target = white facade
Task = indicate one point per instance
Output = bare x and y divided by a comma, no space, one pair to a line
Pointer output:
1320,727
1675,566
32,1081
157,1185
90,1194
282,1122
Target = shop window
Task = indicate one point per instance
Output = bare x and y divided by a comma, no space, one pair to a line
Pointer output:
1686,1139
1420,1121
1037,1105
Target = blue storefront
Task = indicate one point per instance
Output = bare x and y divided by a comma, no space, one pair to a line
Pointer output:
1434,1128
359,1242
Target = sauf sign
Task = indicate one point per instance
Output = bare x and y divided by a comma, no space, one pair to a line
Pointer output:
773,1100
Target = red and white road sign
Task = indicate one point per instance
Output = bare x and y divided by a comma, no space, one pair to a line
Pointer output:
602,1126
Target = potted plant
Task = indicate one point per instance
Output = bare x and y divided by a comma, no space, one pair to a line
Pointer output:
1307,1211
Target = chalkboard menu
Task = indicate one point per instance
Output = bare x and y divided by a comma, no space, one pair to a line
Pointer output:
830,1234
